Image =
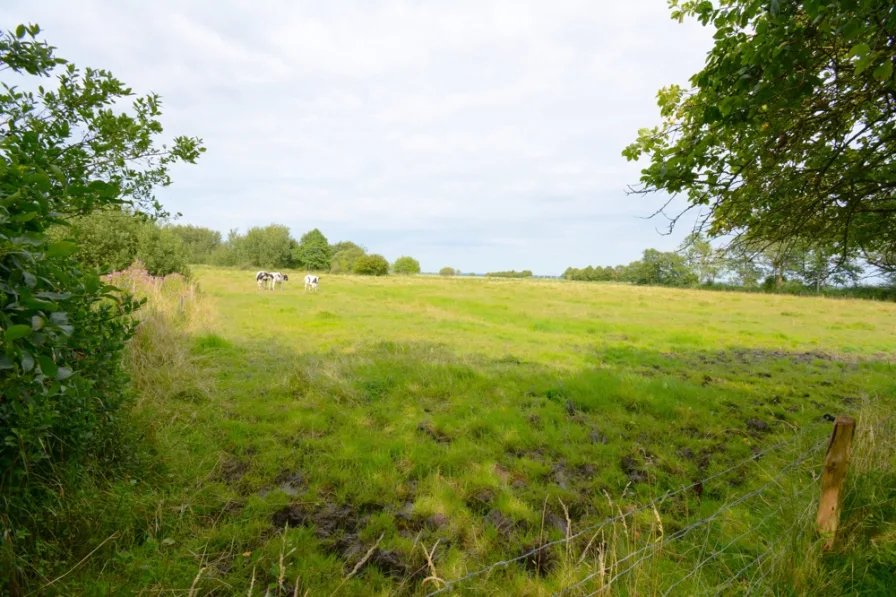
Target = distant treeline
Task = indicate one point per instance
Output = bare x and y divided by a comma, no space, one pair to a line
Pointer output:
511,274
777,268
112,239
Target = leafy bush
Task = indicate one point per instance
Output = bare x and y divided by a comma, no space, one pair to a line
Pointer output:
343,262
270,247
199,243
371,265
406,265
448,271
112,239
63,330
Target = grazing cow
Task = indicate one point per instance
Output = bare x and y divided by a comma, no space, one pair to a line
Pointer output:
311,282
262,278
278,278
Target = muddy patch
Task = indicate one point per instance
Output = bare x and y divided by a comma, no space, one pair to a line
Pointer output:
758,426
501,523
632,469
233,470
541,562
292,483
434,434
338,527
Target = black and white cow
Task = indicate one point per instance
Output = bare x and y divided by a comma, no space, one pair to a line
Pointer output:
278,278
262,278
311,282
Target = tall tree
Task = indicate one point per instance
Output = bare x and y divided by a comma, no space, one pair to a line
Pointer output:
313,251
706,261
789,131
268,247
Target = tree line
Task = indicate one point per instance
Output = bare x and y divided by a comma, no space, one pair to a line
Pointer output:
510,274
782,267
113,238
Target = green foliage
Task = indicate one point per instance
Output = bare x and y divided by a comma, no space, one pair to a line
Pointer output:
200,243
789,132
112,239
406,265
510,274
270,247
371,265
343,262
313,252
161,251
706,262
65,153
660,269
591,274
345,245
448,271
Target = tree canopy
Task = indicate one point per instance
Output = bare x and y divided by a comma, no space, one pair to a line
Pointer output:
313,251
789,132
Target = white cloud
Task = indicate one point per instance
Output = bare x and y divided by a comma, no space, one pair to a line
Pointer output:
480,134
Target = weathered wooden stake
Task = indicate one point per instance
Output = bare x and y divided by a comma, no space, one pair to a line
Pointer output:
836,463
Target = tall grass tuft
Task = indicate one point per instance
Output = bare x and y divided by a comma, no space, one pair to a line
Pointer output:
88,512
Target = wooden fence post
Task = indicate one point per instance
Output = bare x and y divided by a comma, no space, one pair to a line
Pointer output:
836,463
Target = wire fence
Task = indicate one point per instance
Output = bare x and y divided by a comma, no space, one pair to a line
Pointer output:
761,560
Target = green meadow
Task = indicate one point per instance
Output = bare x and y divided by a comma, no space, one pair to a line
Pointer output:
384,435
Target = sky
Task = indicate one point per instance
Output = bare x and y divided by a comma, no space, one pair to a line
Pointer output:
482,135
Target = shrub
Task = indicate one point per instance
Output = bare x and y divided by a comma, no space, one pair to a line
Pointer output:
269,247
111,239
63,330
406,265
200,243
371,265
447,271
343,262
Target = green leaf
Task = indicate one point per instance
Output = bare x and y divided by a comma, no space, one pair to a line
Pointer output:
20,31
863,63
63,248
883,71
851,29
63,373
860,50
37,322
30,279
47,366
17,331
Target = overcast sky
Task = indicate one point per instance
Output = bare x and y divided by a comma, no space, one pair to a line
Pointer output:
478,134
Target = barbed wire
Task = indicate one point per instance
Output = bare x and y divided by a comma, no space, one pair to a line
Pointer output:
783,535
690,527
599,525
751,529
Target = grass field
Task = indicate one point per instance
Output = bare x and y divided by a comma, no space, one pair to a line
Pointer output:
471,420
